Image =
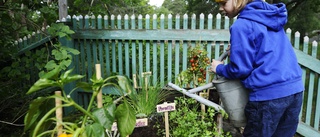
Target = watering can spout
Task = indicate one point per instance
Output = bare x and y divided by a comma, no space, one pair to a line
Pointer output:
196,97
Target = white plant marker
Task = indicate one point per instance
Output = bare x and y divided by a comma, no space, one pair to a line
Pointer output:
166,107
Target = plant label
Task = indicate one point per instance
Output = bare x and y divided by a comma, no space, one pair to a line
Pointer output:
139,123
166,107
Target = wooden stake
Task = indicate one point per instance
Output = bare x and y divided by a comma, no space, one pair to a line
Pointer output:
203,107
135,81
99,96
166,120
59,113
219,123
145,75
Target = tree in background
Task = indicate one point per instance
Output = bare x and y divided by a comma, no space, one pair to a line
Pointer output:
304,15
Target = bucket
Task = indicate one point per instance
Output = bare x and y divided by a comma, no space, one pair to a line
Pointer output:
234,97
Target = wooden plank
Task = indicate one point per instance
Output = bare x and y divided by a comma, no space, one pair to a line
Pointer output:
177,59
226,22
89,59
100,50
33,45
169,61
114,56
107,57
127,61
82,60
155,63
140,56
317,108
162,62
183,34
120,60
310,98
218,21
307,131
148,56
210,21
134,56
308,61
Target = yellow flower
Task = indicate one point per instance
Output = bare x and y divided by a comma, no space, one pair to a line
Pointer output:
65,135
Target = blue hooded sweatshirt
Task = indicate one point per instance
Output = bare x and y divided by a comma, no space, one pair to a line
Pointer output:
262,56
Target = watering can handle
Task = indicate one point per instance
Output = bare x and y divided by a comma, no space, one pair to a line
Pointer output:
223,56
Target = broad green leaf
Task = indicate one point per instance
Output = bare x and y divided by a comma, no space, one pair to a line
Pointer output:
126,119
41,84
51,65
85,86
61,34
64,54
73,51
95,130
72,78
103,116
38,107
51,73
66,63
124,84
66,74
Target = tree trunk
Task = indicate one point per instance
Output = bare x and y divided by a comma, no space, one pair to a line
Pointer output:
63,9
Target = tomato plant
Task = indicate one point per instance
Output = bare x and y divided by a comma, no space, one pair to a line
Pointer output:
196,73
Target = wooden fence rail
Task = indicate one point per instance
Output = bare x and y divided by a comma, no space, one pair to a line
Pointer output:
133,45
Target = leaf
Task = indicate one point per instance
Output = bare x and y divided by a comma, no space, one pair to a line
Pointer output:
38,107
72,78
105,116
51,73
41,84
126,119
66,74
124,84
95,130
51,65
85,86
73,51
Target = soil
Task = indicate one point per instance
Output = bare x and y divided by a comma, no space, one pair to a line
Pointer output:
151,130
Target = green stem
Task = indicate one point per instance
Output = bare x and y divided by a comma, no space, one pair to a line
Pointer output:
95,93
45,117
86,112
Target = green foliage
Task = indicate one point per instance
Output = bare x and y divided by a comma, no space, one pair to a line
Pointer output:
175,7
148,97
102,118
196,72
108,7
188,121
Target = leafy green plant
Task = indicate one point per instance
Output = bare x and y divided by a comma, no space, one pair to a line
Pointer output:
148,97
102,118
95,121
188,121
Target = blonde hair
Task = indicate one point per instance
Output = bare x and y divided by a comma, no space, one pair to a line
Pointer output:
239,4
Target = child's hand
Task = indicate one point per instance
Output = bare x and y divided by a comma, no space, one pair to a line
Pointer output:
214,65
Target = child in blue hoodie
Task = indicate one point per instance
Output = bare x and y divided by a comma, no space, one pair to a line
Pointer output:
262,57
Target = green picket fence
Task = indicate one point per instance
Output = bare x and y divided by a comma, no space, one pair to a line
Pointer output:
130,45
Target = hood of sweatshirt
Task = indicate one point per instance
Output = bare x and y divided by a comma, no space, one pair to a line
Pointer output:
274,16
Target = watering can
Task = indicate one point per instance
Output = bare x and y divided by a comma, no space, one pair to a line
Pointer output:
233,95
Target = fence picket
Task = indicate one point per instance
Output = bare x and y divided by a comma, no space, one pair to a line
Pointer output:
120,58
